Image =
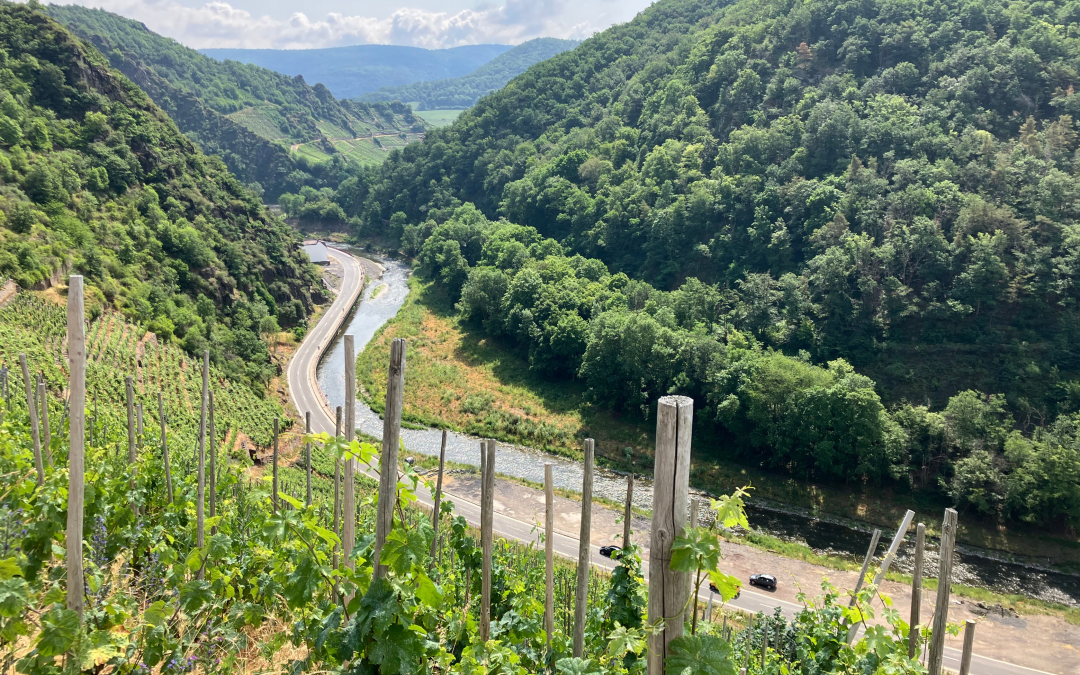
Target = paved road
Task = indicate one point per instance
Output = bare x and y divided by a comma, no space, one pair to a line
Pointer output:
306,396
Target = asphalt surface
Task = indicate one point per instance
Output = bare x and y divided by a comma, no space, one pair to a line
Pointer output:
305,393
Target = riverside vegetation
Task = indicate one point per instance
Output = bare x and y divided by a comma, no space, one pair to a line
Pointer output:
819,220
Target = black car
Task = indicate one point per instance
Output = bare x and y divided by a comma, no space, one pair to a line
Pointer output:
714,589
609,551
764,581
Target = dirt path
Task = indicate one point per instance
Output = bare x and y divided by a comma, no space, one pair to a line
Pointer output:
1042,642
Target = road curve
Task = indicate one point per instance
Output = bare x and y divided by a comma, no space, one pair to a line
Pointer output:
306,396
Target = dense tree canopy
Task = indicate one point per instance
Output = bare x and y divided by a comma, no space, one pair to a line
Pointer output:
95,179
888,188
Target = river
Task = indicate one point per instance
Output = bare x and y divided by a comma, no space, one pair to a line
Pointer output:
383,297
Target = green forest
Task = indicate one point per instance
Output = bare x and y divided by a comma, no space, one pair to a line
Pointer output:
95,179
465,91
248,115
847,230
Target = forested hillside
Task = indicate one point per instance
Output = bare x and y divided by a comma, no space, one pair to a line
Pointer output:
95,179
250,116
352,71
848,230
465,91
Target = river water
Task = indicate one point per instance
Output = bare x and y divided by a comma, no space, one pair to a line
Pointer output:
975,567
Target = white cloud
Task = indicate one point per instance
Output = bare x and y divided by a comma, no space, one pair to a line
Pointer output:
219,24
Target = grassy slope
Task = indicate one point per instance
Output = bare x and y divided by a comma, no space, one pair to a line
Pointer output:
461,379
439,118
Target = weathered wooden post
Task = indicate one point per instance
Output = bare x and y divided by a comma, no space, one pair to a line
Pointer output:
898,538
487,541
43,395
139,423
307,457
76,347
764,644
200,496
388,463
916,591
32,409
337,486
944,590
129,402
348,515
581,599
438,496
165,448
692,609
671,493
969,642
865,565
213,459
628,513
275,488
549,553
749,644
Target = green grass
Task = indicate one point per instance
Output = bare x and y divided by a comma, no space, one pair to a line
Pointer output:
260,121
438,118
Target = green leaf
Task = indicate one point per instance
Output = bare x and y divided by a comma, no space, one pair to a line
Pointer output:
377,610
301,585
727,585
292,502
155,614
220,546
625,640
399,650
731,509
427,592
576,666
59,628
194,594
699,655
9,569
699,547
13,597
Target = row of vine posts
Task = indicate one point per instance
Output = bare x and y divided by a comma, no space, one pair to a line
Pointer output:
669,590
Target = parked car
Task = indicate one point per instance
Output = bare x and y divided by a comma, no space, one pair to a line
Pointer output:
714,589
764,581
609,551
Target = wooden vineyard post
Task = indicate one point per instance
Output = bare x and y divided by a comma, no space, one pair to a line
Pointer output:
487,543
916,591
691,610
885,564
969,642
549,553
307,457
129,402
43,395
165,448
941,610
749,645
337,486
200,495
388,463
628,513
671,493
581,599
213,460
139,423
32,408
76,347
275,488
865,565
348,513
438,497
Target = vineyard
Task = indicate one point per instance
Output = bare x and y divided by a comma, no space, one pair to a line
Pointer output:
198,565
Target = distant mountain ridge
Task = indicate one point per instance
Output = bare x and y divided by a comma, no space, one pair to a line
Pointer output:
465,91
349,72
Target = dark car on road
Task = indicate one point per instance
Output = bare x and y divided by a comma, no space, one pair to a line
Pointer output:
764,581
609,551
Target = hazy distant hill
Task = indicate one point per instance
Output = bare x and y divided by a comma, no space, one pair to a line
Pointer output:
463,92
351,71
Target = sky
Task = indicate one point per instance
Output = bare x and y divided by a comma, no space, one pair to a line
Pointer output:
433,24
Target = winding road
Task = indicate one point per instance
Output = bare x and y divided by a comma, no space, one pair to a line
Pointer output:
306,395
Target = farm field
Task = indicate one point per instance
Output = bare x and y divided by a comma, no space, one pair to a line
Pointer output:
438,118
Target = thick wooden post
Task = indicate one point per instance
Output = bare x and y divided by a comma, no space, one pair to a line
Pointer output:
691,610
200,497
549,553
76,346
916,591
348,514
893,547
944,590
581,599
32,409
438,496
337,486
277,432
671,493
43,395
129,401
487,541
865,565
628,512
388,463
213,460
165,448
307,457
969,642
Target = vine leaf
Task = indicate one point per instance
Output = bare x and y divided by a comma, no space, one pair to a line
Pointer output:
59,628
699,655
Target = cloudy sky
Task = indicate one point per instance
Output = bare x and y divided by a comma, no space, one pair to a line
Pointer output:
301,24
